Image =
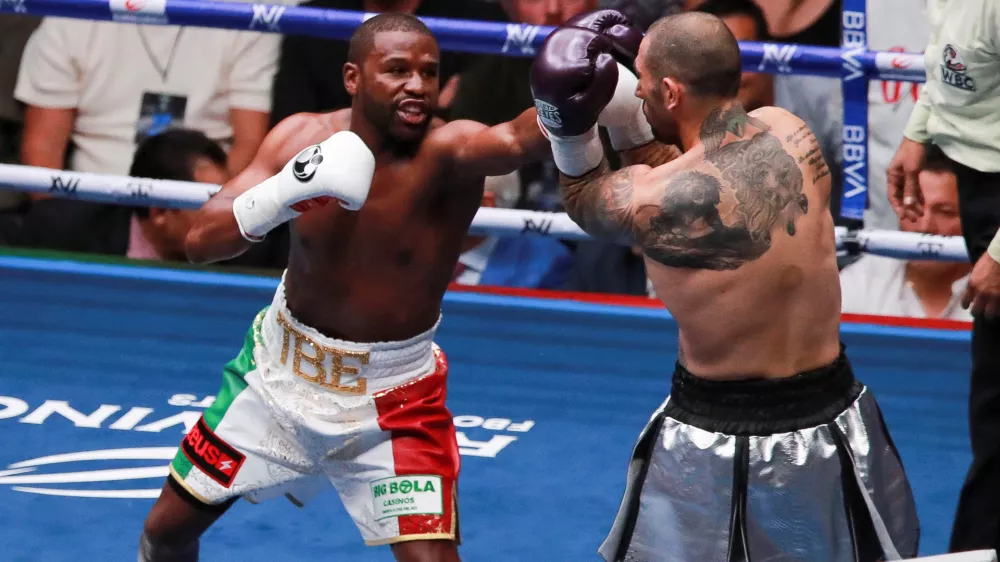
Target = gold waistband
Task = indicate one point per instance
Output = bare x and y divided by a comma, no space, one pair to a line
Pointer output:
298,341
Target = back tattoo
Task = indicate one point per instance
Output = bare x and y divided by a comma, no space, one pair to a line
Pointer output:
705,222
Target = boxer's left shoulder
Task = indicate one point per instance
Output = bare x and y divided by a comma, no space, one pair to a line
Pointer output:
776,117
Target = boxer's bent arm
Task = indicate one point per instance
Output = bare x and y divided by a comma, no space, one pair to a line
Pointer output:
502,149
215,235
602,202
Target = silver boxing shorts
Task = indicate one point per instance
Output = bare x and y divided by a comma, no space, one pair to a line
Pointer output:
799,469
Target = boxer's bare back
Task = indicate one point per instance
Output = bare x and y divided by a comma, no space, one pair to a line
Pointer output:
738,241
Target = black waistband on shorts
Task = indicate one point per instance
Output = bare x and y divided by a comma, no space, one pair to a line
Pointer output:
764,406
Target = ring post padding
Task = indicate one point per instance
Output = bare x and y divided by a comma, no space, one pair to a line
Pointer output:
855,66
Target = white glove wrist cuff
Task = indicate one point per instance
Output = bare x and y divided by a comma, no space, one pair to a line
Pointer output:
257,210
577,155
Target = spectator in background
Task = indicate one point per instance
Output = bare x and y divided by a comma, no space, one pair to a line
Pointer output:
14,32
103,87
898,25
142,232
495,89
182,155
745,20
919,289
310,69
814,99
158,234
95,90
530,261
642,13
803,22
600,266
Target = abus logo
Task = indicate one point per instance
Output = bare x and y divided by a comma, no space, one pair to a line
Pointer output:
55,475
134,5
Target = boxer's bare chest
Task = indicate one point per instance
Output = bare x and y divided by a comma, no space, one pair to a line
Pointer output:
389,262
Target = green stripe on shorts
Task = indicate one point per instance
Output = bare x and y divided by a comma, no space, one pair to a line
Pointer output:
233,382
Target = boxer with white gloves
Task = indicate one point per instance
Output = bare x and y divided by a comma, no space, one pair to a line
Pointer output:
339,380
341,167
768,447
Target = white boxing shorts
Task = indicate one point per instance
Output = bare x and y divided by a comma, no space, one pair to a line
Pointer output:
297,409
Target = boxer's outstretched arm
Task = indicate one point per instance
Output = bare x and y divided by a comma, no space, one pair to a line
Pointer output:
215,235
603,202
495,151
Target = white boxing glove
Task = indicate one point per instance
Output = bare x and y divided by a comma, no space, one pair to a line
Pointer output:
341,167
623,116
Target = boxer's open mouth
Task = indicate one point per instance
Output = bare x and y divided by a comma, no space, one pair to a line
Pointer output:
413,112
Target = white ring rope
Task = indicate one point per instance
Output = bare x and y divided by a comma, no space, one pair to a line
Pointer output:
140,192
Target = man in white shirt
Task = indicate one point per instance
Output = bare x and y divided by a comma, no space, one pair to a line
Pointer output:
103,87
94,90
918,289
959,111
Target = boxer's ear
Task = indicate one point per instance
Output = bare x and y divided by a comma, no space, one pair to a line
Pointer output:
673,93
352,74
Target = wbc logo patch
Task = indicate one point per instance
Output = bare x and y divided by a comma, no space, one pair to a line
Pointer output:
212,455
954,71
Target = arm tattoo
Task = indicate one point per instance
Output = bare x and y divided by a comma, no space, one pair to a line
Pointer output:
601,201
814,157
651,154
720,222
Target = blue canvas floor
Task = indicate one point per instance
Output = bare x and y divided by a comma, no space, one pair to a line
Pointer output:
102,366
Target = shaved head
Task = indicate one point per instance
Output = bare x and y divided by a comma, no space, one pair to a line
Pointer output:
696,49
363,39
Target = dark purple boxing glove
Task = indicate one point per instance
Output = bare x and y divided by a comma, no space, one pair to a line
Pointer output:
573,78
615,26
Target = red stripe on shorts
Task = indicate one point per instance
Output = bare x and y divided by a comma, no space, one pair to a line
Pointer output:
423,442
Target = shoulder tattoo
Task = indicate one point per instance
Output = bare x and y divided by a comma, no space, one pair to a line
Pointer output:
721,222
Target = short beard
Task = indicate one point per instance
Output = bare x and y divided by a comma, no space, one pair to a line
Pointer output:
382,119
